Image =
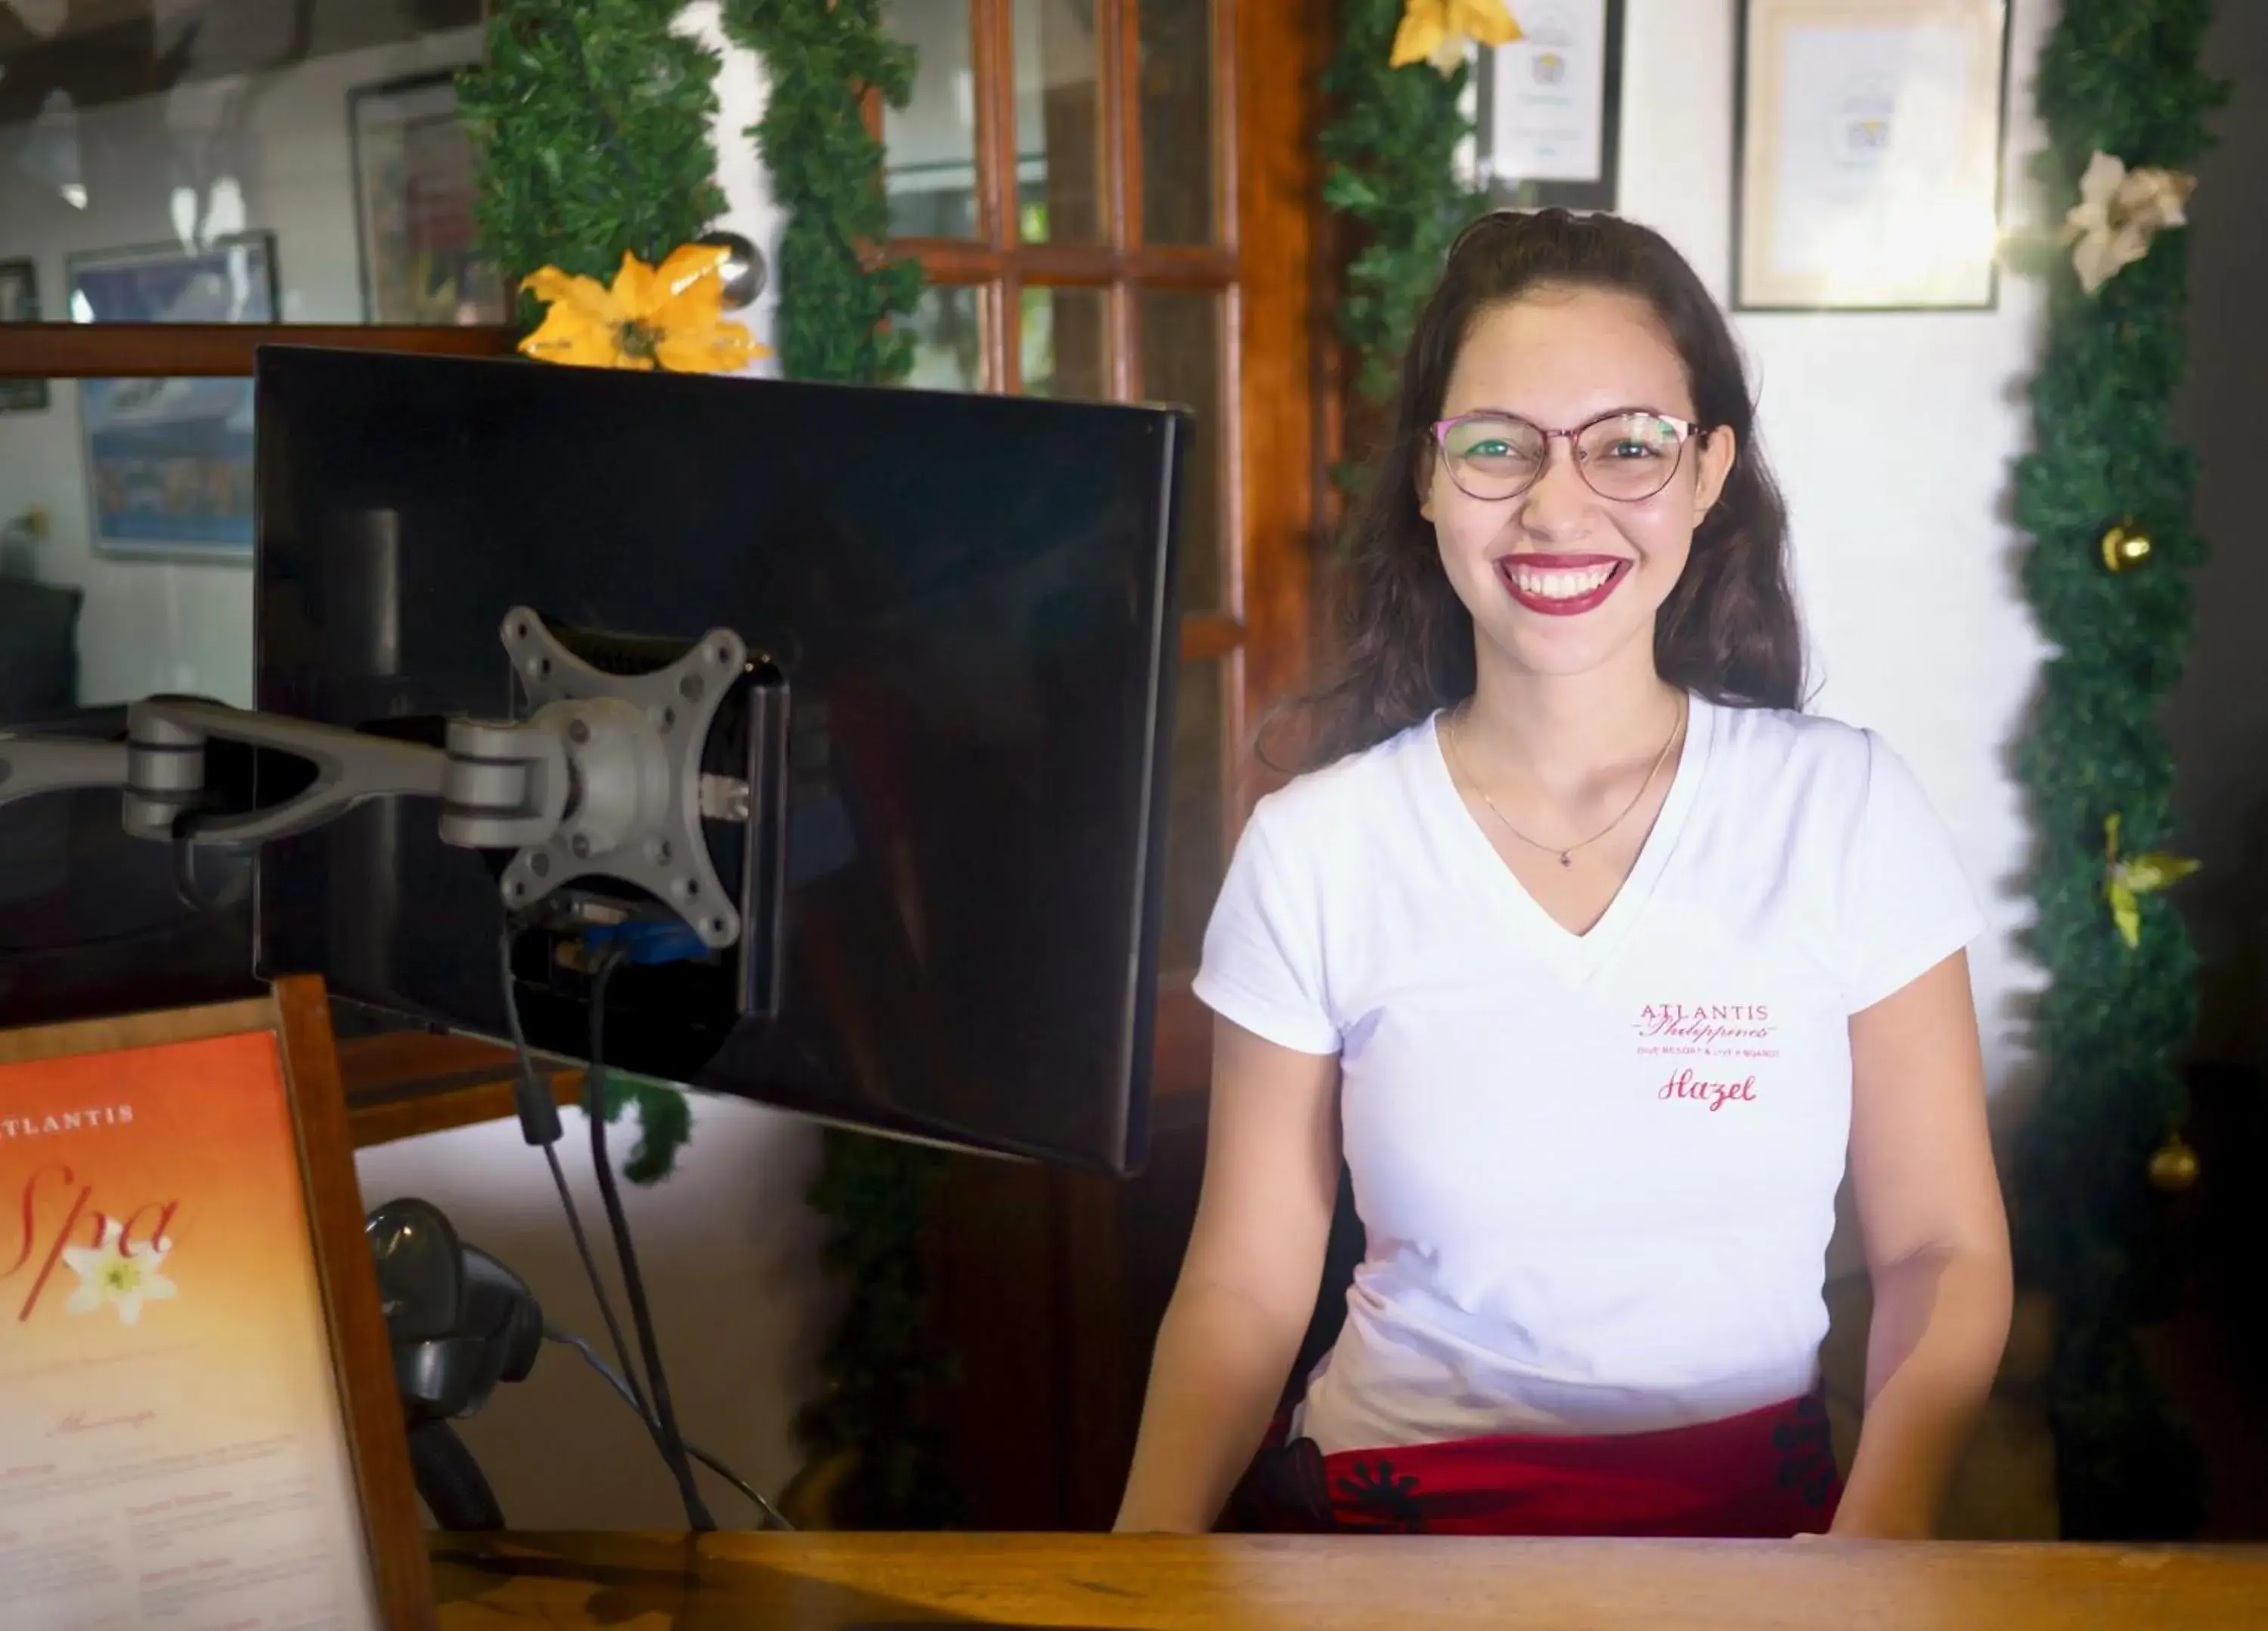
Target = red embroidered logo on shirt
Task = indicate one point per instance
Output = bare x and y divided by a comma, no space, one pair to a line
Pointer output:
1716,1095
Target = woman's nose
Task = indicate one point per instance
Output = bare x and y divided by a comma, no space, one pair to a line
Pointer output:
1559,495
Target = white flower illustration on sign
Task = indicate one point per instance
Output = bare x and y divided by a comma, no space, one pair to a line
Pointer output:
114,1275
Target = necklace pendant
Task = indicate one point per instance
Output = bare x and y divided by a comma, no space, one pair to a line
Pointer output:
1566,857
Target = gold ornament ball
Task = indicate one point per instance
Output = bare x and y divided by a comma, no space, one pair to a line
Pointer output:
2126,547
741,278
2174,1168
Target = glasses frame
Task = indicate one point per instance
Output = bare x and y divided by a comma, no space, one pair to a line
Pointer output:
1688,431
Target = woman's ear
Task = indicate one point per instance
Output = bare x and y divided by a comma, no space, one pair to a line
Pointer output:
1421,477
1718,451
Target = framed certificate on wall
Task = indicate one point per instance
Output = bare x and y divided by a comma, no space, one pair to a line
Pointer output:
1548,107
201,1426
1866,171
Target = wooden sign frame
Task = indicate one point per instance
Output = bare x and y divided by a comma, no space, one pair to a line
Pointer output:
297,1013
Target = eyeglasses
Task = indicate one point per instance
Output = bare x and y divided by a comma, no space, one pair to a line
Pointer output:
1626,455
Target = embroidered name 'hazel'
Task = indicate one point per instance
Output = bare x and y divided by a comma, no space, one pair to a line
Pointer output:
1716,1095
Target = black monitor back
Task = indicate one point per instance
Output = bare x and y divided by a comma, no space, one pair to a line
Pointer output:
971,600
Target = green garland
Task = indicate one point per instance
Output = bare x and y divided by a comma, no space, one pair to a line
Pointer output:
826,174
876,1461
591,119
2118,77
1391,173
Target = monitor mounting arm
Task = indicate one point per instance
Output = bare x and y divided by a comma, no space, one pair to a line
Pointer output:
602,780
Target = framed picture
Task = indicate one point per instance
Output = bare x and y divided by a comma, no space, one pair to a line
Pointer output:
19,303
1547,105
169,461
201,1421
1867,172
415,178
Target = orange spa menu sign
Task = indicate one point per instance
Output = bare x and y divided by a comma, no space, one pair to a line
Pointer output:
174,1449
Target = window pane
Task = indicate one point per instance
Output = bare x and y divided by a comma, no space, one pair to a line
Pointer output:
948,329
1195,860
1177,156
1061,343
930,168
1058,122
142,137
125,536
1180,364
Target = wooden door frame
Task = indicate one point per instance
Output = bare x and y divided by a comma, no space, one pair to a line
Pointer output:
1050,1284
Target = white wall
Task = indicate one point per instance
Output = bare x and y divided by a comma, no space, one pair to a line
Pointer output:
730,1257
1892,436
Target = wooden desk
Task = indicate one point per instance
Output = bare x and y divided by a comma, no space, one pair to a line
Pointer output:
400,1084
836,1582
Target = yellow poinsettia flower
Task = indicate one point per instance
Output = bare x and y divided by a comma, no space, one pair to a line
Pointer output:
1435,31
2124,882
671,316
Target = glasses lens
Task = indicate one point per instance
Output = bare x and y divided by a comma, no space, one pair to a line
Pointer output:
1630,455
1492,456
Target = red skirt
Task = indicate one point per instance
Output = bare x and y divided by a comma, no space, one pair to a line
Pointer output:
1765,1476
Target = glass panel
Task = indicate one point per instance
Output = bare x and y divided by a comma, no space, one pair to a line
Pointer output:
1060,338
121,520
1058,122
1177,153
930,165
948,329
137,137
1196,857
1180,364
82,907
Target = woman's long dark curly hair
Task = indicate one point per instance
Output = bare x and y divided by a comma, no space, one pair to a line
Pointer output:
1728,630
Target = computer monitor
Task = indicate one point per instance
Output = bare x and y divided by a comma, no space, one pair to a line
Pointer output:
971,602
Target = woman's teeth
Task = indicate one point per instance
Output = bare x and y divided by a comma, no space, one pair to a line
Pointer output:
1560,585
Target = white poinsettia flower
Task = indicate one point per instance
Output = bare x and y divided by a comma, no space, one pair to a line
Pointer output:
118,1275
2119,210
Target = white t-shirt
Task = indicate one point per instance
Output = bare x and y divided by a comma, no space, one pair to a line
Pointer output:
1597,1172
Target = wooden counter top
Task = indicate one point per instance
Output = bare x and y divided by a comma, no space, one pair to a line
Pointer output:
837,1582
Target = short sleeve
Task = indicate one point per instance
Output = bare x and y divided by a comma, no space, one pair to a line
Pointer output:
1264,956
1907,903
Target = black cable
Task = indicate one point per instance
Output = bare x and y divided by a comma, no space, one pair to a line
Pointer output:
623,1391
530,1087
594,1111
531,1095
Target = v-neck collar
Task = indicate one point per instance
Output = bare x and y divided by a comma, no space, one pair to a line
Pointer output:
1577,956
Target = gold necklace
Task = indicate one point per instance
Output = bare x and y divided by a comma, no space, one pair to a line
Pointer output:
1568,855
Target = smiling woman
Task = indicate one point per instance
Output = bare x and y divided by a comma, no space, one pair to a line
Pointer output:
1561,789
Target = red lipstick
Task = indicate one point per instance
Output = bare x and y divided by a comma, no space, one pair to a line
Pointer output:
1556,581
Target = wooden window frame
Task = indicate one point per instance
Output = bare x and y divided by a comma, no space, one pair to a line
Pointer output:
1262,648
